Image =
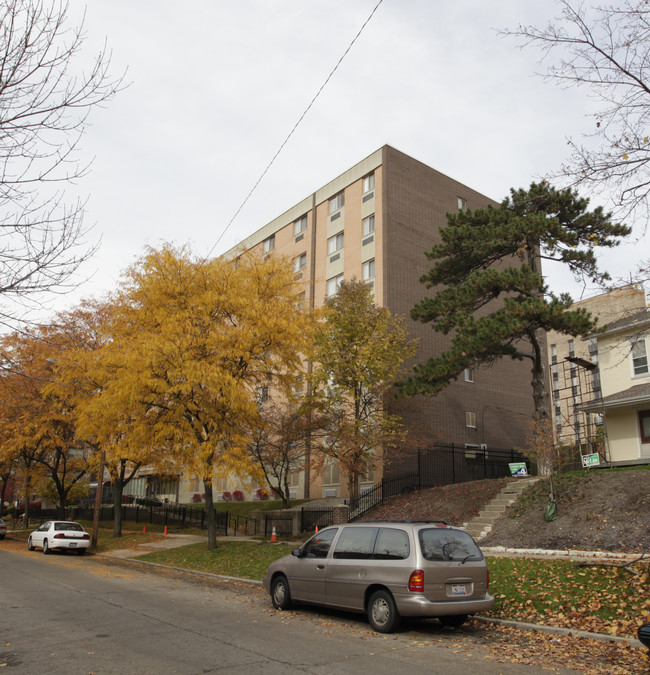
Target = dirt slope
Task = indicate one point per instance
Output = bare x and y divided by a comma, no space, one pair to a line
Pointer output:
597,510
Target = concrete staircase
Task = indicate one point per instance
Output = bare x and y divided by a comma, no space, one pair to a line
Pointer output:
480,526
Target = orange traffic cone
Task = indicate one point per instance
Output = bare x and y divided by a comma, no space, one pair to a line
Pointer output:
144,530
316,530
274,536
165,532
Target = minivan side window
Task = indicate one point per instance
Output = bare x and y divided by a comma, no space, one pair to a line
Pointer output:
443,544
392,545
319,545
355,543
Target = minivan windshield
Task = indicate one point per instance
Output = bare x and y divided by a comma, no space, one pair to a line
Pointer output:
444,544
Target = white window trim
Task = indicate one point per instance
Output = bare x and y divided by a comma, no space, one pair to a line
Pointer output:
366,268
333,243
337,202
337,282
299,225
645,372
300,262
370,220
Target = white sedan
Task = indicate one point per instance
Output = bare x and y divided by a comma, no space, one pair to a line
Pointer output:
59,534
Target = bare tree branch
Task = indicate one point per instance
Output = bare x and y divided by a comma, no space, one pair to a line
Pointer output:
606,49
45,100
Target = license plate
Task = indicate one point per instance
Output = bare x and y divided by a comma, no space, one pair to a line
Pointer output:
458,589
72,544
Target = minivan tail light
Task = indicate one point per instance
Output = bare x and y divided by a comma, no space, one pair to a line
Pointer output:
416,581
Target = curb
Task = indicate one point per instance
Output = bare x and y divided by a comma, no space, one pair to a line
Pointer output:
557,630
562,555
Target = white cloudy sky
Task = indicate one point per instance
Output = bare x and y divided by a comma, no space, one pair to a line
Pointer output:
216,85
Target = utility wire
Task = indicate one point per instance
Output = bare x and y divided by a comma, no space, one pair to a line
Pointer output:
295,126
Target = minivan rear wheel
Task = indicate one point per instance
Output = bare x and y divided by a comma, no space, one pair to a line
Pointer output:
382,613
453,621
280,594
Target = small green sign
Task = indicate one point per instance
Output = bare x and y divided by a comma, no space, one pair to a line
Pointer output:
590,460
518,469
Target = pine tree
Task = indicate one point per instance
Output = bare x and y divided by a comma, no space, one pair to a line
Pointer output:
491,294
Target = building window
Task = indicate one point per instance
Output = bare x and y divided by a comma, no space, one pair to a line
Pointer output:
553,353
369,182
462,204
369,225
300,225
333,284
470,420
300,262
571,350
639,358
269,244
337,202
335,243
369,270
469,375
331,475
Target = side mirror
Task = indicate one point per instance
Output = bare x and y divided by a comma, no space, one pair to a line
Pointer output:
296,552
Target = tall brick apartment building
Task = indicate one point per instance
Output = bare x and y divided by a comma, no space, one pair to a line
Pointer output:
374,222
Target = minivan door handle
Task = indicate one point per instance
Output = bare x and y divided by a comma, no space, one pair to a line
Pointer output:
320,567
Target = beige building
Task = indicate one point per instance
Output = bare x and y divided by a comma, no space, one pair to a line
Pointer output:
576,375
374,222
624,364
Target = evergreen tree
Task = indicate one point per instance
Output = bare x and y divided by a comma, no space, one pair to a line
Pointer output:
491,295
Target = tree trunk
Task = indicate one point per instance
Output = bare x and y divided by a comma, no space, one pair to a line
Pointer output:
26,498
118,489
353,485
540,392
210,518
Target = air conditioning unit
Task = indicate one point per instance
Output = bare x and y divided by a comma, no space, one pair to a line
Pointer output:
483,446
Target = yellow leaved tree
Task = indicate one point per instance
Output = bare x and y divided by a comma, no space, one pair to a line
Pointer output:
190,343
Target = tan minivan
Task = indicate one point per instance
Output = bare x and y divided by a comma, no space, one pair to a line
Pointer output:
386,569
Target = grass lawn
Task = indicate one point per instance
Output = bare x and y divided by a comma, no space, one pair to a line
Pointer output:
550,592
243,559
608,600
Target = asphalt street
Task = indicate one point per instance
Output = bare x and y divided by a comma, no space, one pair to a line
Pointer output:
79,615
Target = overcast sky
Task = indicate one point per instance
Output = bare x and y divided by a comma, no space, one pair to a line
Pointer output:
217,85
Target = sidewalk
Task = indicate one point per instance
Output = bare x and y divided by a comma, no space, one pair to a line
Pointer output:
170,541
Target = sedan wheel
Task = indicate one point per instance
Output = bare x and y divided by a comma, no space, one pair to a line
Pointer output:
280,594
46,548
30,546
382,613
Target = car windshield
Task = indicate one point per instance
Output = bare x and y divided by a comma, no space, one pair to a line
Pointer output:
443,544
68,526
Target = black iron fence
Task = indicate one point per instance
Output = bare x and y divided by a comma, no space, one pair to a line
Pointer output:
167,515
310,519
283,524
438,465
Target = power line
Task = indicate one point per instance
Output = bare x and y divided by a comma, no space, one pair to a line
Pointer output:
295,126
